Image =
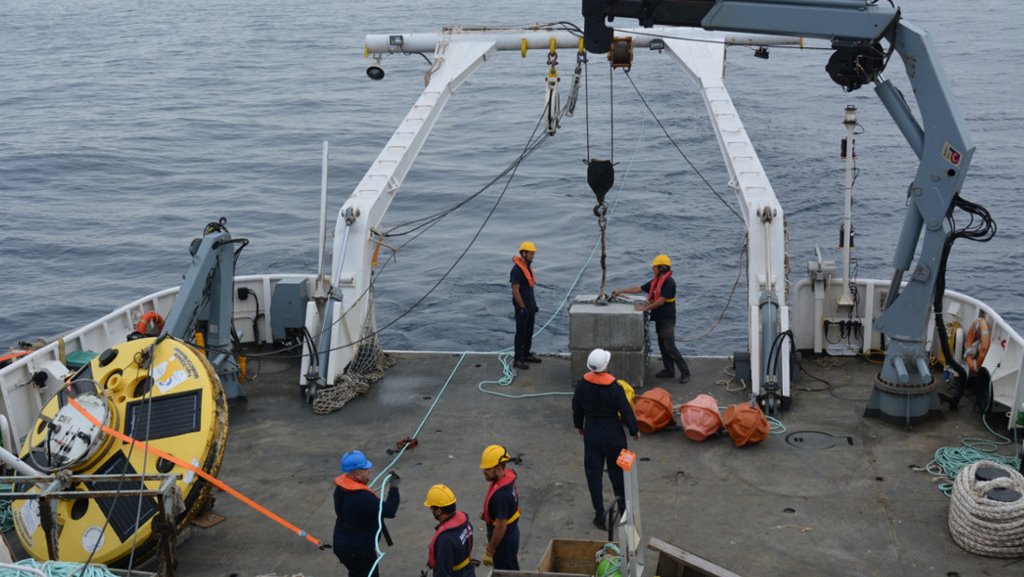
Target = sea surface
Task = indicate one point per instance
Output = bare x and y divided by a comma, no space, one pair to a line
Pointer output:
125,127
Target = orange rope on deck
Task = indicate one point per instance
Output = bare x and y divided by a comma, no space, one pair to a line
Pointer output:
213,480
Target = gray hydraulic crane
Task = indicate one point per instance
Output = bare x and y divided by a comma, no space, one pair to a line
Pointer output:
864,34
207,293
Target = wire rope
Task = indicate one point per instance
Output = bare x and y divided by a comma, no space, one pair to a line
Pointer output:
680,150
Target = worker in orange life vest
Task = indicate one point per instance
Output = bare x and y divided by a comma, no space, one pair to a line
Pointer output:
524,303
356,507
596,406
501,510
452,545
661,304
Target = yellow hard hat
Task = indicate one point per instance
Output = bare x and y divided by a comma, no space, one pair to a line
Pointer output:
439,496
527,245
661,260
493,456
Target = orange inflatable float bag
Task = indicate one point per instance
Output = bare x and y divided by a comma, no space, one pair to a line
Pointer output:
700,418
746,425
653,410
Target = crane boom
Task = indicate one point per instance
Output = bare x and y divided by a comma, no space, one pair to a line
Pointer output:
864,34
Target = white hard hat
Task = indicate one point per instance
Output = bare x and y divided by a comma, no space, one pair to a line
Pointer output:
598,360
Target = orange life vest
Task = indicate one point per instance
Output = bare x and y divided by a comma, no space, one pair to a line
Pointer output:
602,379
509,478
525,267
453,522
349,484
654,293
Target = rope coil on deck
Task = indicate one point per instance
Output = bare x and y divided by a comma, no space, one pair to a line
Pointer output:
985,526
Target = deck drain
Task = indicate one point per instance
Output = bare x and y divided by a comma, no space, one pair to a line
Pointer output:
816,440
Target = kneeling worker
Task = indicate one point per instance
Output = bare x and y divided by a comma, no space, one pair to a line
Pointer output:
356,505
501,510
452,545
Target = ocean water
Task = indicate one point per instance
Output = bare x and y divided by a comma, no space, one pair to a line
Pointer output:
126,126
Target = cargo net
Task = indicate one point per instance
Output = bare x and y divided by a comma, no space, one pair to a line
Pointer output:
366,368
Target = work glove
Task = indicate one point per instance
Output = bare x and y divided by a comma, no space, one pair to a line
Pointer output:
488,559
395,478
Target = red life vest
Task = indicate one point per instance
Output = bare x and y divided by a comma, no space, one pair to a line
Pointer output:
349,484
453,522
602,379
654,293
525,267
509,478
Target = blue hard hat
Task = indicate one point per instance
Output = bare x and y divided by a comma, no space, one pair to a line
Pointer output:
354,460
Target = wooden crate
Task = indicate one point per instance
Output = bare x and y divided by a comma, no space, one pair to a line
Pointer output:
675,562
573,557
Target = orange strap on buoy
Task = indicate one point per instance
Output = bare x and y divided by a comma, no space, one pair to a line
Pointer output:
14,355
213,480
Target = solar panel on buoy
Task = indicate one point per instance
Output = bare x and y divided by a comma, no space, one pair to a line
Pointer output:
159,392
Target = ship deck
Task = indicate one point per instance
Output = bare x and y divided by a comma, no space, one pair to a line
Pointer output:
794,505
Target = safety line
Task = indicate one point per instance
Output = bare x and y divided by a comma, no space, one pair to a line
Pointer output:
208,477
380,510
380,522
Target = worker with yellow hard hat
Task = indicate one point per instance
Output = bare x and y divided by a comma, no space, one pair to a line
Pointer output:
661,304
501,510
524,303
452,546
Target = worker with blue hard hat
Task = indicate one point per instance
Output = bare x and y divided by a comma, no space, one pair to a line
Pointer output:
356,507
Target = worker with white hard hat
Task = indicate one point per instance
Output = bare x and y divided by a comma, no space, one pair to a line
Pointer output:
597,406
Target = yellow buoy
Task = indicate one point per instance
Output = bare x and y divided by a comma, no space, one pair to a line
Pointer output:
159,392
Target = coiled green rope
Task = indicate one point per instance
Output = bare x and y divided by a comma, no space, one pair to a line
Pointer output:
52,569
6,518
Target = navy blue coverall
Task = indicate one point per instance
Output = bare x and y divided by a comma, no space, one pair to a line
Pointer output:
664,318
504,504
452,547
355,530
596,406
524,316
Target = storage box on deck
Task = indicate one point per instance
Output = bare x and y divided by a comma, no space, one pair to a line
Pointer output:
562,558
78,359
570,557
